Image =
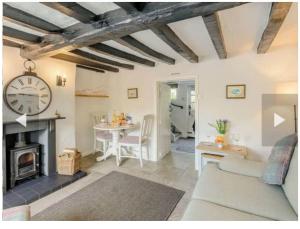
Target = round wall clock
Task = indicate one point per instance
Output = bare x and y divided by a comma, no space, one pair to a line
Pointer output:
28,94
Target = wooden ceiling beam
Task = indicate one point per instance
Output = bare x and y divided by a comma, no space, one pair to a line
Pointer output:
28,20
165,33
100,59
117,23
20,35
278,12
132,7
10,43
212,23
72,9
89,68
132,43
82,61
105,49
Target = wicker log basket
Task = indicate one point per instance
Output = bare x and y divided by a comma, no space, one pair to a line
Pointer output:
68,162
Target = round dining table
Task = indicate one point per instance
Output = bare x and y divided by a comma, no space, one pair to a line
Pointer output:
115,131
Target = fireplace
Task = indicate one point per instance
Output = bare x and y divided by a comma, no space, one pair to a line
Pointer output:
24,163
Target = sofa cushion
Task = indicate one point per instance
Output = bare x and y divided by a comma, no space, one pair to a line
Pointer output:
279,160
242,166
290,186
205,211
244,193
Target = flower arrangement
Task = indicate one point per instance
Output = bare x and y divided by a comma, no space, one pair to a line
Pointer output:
221,127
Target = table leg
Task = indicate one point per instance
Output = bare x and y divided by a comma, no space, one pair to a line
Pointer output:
114,149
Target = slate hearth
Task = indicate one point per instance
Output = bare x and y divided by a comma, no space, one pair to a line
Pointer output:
35,189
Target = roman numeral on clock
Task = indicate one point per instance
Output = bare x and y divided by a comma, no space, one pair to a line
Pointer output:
20,108
14,102
29,80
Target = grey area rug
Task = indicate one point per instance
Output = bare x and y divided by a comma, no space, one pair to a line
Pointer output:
116,196
186,145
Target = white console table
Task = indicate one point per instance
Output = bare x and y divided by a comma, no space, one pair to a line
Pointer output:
208,151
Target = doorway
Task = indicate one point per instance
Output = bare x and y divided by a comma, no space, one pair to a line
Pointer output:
177,117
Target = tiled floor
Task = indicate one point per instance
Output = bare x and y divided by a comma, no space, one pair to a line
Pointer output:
175,170
35,189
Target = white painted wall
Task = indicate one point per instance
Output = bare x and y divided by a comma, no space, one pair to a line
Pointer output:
63,99
87,106
261,74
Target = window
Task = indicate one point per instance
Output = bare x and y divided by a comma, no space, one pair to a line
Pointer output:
173,93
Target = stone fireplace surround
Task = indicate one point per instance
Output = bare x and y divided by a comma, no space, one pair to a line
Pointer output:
40,131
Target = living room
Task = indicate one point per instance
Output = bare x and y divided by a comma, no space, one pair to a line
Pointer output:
97,68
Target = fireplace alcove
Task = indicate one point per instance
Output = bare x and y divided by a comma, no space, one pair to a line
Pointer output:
37,160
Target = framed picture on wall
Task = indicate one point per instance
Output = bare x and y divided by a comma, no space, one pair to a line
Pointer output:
132,93
237,91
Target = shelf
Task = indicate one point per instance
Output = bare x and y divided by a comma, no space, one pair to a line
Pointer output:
91,95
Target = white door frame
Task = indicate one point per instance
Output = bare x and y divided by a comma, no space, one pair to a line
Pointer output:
180,78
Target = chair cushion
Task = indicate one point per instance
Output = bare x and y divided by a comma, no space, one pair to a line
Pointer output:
244,193
279,160
131,140
242,166
101,135
290,186
206,211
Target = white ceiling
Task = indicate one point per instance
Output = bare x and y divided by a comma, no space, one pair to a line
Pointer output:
242,29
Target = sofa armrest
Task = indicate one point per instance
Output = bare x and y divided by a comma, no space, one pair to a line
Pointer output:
242,166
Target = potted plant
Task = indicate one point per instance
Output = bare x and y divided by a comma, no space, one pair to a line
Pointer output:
221,127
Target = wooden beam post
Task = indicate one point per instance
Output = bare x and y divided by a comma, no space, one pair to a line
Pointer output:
89,68
115,24
165,33
137,46
72,9
278,13
82,61
25,19
100,59
212,23
105,49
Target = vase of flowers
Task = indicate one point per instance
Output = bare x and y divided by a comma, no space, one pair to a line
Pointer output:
221,127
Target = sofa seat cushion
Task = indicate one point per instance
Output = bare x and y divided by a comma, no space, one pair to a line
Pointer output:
205,211
244,193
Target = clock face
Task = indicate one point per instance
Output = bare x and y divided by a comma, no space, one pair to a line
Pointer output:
27,94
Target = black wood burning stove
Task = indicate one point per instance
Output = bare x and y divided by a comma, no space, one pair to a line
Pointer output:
24,161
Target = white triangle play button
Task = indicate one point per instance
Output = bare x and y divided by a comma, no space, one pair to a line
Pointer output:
278,120
22,120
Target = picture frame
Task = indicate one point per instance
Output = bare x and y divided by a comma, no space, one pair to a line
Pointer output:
132,93
236,91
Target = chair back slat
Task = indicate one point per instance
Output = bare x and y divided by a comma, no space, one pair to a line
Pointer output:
146,127
96,117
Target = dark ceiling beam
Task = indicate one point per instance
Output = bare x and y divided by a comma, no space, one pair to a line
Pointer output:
89,68
10,43
117,23
105,49
72,9
100,59
82,61
20,35
137,46
28,20
165,33
212,23
132,7
278,12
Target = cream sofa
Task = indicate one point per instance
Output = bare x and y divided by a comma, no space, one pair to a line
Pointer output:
233,190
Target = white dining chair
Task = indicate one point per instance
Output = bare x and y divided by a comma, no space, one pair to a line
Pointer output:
102,137
136,143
